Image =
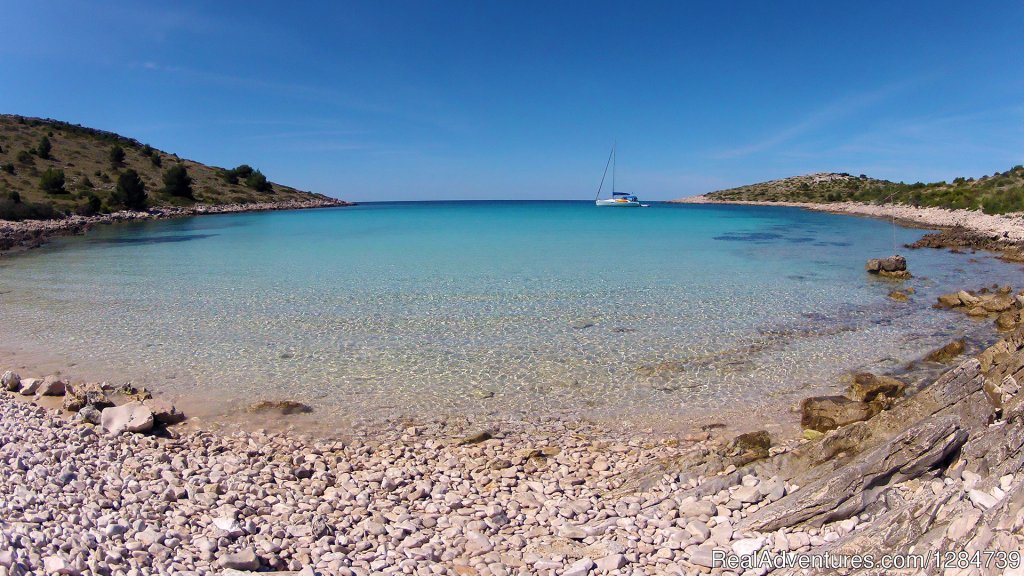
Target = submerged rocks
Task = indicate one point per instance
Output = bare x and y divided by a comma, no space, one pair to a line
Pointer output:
997,301
283,407
948,352
899,296
824,413
661,369
867,386
891,267
131,417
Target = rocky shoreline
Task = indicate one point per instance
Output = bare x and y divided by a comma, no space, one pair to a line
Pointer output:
958,229
27,234
883,470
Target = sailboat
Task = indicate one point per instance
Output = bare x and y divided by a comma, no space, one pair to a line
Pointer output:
620,199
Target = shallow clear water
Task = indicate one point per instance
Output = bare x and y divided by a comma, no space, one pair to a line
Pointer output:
416,309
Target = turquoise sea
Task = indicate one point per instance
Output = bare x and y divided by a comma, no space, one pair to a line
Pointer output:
541,308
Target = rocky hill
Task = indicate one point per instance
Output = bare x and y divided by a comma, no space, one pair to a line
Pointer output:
1000,193
49,169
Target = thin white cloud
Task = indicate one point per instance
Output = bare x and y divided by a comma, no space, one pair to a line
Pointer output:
820,118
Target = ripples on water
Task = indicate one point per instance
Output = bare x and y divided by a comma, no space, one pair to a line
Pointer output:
436,308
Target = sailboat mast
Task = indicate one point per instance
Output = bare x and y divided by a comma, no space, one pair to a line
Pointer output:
614,146
605,173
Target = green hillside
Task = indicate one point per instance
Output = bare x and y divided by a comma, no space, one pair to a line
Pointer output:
1000,193
50,168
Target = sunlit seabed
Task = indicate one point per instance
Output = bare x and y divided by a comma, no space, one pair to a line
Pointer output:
427,309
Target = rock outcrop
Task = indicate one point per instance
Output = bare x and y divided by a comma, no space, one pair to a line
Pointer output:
941,470
850,490
891,267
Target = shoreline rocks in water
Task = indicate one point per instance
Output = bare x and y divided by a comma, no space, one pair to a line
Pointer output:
27,234
941,469
998,302
894,267
958,229
959,238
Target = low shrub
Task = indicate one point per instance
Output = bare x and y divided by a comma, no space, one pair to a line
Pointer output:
52,181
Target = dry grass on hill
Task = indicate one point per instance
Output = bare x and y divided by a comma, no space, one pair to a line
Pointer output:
1000,193
84,156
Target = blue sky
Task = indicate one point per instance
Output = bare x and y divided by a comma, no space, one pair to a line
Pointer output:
395,100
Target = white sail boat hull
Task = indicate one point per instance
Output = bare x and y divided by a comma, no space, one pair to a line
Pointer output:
618,199
615,202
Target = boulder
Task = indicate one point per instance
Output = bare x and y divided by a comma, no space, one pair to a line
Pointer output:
891,267
749,447
242,560
949,301
90,414
977,312
967,299
78,396
997,303
867,386
891,264
947,352
51,386
163,411
29,386
1009,320
10,381
476,437
824,413
131,417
